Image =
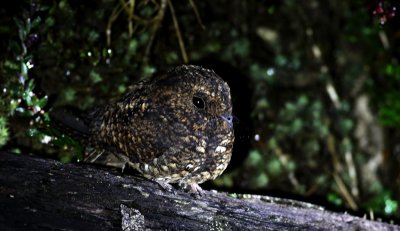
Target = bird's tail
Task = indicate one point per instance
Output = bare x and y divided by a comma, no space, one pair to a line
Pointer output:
76,124
70,121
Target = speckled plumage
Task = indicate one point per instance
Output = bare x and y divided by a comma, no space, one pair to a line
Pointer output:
174,128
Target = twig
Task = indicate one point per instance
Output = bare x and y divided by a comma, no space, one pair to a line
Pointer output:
196,12
157,21
178,33
337,168
384,40
344,191
352,173
114,15
131,6
332,93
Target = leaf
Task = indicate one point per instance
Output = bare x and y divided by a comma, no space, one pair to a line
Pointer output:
24,71
95,77
254,158
31,85
262,180
36,22
42,102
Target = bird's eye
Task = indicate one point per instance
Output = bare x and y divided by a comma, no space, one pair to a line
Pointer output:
198,102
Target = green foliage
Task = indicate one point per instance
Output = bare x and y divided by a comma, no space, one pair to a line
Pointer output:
274,167
389,110
301,116
19,98
384,202
261,180
3,131
254,159
305,134
335,199
239,48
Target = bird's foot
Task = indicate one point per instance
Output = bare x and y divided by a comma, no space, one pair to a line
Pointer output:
196,190
193,188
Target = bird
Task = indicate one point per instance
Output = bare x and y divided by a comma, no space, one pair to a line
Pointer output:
174,128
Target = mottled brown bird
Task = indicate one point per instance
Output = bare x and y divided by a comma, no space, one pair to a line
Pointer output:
174,128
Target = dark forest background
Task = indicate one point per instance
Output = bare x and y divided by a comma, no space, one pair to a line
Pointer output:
315,85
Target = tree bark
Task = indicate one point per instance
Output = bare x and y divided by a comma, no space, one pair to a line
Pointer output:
43,194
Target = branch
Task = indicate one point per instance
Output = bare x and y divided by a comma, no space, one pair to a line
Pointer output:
178,33
45,194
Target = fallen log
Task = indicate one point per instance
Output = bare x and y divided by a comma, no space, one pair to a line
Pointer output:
44,194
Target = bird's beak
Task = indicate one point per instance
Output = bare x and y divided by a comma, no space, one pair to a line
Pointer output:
228,118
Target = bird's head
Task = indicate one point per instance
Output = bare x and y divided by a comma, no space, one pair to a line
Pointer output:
197,92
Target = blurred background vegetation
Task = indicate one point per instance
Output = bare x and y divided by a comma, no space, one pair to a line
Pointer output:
315,85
